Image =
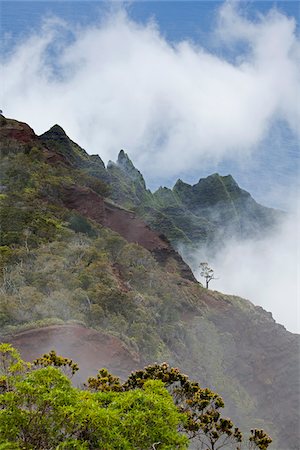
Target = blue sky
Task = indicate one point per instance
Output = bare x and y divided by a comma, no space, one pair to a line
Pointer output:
177,19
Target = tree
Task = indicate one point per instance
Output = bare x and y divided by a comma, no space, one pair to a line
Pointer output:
42,410
12,367
104,382
157,407
201,406
207,273
259,439
66,365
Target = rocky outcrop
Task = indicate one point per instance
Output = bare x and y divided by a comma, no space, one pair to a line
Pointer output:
128,187
15,136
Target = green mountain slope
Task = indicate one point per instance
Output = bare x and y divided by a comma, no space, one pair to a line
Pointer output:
208,212
79,270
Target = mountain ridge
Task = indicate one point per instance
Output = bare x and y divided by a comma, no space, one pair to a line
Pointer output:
64,264
209,211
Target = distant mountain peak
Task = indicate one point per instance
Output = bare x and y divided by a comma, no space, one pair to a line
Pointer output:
179,183
55,132
124,161
59,142
122,154
227,179
58,129
126,165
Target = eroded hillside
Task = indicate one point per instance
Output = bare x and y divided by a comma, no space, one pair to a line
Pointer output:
88,277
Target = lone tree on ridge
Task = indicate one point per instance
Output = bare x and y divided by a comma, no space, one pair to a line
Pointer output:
207,273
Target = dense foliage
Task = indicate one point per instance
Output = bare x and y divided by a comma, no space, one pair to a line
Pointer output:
158,406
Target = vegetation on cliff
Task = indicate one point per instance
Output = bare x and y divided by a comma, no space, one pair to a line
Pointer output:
60,264
205,213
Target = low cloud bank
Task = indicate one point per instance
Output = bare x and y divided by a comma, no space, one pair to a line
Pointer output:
265,271
173,106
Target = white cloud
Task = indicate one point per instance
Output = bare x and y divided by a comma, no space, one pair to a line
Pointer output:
121,85
265,271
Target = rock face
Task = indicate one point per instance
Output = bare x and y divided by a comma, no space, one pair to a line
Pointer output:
125,164
128,187
15,136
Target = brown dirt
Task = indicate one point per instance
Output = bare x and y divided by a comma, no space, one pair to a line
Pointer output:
92,205
86,202
215,302
91,349
132,228
126,223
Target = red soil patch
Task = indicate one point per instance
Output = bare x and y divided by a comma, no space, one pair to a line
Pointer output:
91,349
132,228
124,222
17,131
